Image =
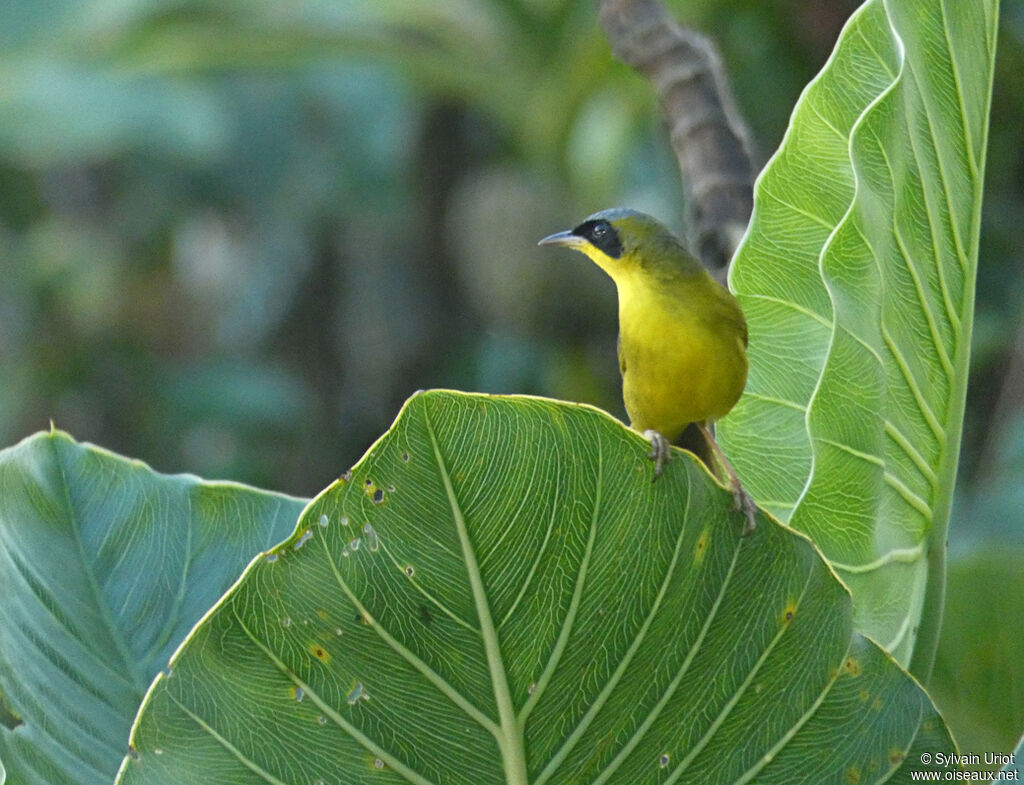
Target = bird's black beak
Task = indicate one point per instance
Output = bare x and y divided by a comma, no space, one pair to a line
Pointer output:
566,238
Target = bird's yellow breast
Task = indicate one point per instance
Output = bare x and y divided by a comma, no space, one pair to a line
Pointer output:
682,356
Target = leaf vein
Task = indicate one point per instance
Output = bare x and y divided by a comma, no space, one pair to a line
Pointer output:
574,602
677,772
788,736
881,61
926,410
869,457
972,163
431,675
307,691
911,452
826,121
933,327
961,255
779,401
799,210
116,634
897,555
540,553
581,727
428,595
951,313
673,685
909,496
509,737
259,771
790,304
512,520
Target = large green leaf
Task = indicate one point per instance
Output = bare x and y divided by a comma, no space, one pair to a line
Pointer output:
857,277
104,568
498,592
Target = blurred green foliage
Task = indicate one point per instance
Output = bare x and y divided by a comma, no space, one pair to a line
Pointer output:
977,680
235,236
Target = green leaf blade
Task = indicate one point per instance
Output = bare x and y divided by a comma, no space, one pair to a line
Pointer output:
635,634
890,274
105,566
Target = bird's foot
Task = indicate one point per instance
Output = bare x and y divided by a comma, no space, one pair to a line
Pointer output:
661,451
741,499
743,503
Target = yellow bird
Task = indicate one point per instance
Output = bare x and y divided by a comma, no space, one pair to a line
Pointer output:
682,335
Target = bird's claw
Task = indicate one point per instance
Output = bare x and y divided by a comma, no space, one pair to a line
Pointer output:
661,451
661,454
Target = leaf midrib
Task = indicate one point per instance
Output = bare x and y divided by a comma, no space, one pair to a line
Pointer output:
431,675
510,739
116,635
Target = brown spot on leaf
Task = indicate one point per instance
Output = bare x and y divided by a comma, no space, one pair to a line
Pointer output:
320,653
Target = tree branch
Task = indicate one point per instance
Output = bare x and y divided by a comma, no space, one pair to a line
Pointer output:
708,135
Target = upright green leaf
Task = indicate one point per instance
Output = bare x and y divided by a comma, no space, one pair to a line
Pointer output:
857,277
104,568
497,593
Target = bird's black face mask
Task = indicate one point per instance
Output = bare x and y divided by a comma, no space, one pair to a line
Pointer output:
602,235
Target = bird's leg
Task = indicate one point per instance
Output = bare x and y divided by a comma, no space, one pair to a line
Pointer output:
740,496
661,451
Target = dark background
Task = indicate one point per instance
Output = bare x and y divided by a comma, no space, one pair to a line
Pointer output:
234,237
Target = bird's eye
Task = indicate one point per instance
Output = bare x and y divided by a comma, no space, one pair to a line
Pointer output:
603,236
